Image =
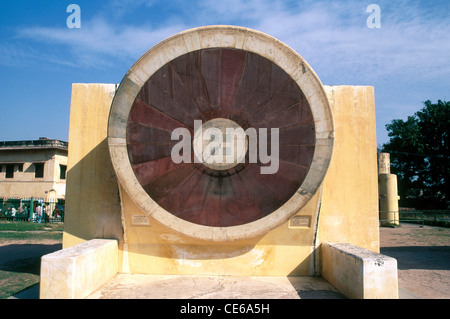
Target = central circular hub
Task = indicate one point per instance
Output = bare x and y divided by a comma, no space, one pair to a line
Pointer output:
219,144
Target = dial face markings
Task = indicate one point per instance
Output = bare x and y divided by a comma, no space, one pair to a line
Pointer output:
224,88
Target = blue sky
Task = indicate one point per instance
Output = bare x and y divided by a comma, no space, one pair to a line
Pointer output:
407,60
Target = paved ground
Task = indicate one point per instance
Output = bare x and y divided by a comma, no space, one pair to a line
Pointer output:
225,287
423,257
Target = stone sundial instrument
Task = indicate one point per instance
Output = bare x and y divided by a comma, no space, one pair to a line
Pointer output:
227,77
221,153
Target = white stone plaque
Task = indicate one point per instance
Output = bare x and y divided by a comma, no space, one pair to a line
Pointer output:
140,220
300,221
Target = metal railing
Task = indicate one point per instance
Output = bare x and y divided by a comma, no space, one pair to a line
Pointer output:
399,219
31,210
439,217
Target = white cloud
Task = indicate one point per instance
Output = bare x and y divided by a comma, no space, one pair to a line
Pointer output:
99,43
332,37
336,38
23,56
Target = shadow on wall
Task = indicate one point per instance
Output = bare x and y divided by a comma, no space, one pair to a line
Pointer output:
92,199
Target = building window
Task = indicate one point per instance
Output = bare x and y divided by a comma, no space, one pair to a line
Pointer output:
9,171
62,171
20,167
38,170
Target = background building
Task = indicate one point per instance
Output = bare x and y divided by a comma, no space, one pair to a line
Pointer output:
33,169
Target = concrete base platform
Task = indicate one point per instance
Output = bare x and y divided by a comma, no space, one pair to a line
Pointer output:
126,286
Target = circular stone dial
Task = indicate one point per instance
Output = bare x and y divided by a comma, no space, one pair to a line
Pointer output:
219,86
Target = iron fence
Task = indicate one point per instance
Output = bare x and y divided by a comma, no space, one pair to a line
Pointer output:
411,217
32,210
422,217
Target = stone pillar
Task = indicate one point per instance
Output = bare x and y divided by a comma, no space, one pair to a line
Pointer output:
387,192
384,163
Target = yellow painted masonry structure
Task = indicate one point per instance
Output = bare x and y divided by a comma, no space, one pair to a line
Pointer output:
75,272
359,273
328,225
345,209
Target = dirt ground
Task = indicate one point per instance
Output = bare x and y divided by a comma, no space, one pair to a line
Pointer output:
423,259
422,253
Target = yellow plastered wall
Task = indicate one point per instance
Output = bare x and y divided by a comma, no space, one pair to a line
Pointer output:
346,204
92,201
349,209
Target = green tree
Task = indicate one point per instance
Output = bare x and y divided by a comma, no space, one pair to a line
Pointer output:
420,156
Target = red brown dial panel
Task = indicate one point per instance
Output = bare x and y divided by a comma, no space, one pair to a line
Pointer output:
207,84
